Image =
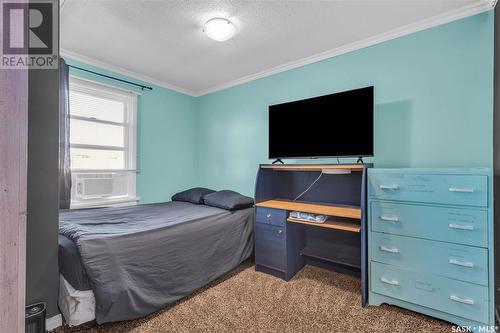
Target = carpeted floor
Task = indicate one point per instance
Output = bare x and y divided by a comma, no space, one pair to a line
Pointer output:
315,300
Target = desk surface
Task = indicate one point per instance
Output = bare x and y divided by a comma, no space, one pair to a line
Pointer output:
352,212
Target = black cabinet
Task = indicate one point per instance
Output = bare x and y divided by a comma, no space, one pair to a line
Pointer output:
276,244
270,246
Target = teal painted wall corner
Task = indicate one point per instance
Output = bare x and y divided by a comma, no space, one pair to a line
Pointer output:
433,104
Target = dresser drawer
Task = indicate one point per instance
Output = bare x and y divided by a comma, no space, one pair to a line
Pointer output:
270,246
470,190
459,262
455,297
270,216
456,225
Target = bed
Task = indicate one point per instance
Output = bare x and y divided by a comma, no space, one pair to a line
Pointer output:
123,263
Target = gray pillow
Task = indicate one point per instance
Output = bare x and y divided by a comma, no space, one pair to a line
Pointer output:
229,200
193,195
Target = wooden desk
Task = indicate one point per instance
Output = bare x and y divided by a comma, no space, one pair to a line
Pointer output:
283,245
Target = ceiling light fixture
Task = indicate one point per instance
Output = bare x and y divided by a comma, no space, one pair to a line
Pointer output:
219,29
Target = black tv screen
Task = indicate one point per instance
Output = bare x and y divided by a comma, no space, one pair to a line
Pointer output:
336,125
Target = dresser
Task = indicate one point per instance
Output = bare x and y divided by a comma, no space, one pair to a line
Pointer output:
430,243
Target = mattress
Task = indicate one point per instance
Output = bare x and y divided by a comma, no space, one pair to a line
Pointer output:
141,258
70,265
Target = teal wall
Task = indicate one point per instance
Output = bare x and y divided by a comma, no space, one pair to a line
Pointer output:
166,138
433,104
433,108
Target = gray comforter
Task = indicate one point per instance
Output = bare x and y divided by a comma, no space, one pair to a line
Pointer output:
141,258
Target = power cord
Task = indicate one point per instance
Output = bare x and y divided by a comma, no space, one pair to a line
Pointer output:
307,189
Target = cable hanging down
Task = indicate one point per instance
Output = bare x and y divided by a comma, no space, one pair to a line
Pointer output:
310,186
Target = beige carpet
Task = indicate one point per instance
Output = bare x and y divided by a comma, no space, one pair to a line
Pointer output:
315,300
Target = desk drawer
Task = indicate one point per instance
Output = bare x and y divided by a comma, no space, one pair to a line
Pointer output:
270,246
271,216
470,190
455,297
456,225
460,262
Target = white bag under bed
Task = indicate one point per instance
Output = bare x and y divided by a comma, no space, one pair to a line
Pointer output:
77,306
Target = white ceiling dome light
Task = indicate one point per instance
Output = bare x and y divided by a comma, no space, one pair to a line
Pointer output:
219,29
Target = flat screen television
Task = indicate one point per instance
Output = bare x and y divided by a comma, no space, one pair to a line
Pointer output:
336,125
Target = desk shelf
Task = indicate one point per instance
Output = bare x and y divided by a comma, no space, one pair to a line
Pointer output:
342,257
352,212
331,224
314,167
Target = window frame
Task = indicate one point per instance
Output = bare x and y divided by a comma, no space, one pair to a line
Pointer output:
130,120
129,99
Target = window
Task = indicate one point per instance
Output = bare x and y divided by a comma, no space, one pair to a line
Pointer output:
102,144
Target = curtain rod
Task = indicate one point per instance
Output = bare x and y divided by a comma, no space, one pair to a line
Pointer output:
111,77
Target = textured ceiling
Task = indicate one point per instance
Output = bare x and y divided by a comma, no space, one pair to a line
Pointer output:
163,40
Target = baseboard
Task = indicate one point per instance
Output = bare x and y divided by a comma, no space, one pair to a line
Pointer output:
53,322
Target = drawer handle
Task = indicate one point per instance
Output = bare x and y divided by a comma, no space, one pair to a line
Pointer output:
389,187
388,249
268,216
462,300
391,282
461,190
461,263
389,218
461,226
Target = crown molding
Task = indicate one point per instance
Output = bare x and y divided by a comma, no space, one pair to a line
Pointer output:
466,11
123,71
470,10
